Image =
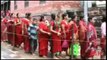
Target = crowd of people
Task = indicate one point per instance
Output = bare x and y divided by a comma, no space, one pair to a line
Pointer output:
59,33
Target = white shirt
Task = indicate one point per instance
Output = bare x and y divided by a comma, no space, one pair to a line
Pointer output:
103,29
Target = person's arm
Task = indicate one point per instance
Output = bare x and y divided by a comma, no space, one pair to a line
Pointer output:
63,28
51,28
44,32
29,30
37,28
103,29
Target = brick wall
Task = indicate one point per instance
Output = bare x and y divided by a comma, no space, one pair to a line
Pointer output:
50,6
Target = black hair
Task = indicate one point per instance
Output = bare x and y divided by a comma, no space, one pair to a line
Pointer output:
64,15
81,17
104,19
53,16
17,15
89,19
73,17
28,15
41,17
11,14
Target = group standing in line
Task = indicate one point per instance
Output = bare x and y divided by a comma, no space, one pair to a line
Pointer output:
32,33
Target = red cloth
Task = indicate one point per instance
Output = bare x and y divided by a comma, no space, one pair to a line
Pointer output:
43,39
92,35
25,23
73,27
82,30
3,30
11,30
90,53
103,43
82,36
66,26
56,39
18,29
4,20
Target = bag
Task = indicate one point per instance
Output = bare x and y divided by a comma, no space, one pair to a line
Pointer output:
76,50
65,44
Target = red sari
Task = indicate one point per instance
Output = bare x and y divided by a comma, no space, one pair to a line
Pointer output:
18,29
4,29
66,26
43,39
55,38
82,36
92,38
11,30
25,23
73,26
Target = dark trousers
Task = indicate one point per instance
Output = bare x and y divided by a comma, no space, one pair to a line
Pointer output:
33,44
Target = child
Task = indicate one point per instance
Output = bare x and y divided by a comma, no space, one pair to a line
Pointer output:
32,31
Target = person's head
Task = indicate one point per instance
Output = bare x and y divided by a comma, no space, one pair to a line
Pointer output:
28,15
57,17
81,17
17,15
41,18
74,17
34,21
91,19
104,19
11,15
53,16
64,16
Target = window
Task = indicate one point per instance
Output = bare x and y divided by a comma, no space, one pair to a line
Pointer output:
26,3
15,5
42,1
94,4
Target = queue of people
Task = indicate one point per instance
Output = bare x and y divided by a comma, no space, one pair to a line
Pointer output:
59,32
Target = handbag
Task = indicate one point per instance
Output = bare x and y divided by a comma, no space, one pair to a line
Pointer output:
65,44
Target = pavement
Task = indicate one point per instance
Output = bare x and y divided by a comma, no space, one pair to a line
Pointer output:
8,53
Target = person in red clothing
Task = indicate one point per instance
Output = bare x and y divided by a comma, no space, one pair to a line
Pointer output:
10,29
43,37
4,29
56,36
91,44
82,35
18,31
73,31
65,30
26,40
73,25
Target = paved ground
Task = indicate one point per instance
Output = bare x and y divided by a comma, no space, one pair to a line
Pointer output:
8,53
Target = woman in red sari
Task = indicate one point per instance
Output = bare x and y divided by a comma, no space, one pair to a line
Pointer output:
10,29
18,31
4,29
43,37
65,30
56,36
91,45
82,35
73,31
26,39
